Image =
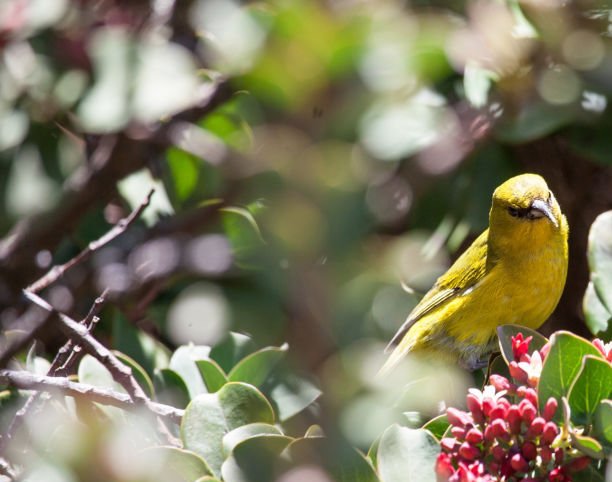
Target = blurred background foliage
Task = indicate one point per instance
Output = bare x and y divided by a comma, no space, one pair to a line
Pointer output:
311,160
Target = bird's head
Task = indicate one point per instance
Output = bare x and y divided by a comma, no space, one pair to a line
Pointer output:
525,214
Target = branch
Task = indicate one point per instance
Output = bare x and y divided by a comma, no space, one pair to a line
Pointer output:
66,357
58,271
79,333
30,381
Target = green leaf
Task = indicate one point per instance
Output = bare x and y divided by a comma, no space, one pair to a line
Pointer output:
207,478
437,426
256,367
210,416
407,454
477,83
241,229
213,375
170,388
505,334
588,446
232,349
535,120
184,170
138,373
183,362
342,462
603,422
600,257
593,385
238,435
177,464
596,315
255,458
562,365
290,394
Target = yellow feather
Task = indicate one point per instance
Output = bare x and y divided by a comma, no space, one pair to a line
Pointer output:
514,272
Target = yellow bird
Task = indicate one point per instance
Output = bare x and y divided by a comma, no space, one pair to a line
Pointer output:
514,272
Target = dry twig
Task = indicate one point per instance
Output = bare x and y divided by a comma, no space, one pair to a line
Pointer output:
30,381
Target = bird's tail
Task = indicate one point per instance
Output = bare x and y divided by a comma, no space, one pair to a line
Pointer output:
396,356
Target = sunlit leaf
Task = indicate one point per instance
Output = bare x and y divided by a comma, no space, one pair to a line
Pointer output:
209,417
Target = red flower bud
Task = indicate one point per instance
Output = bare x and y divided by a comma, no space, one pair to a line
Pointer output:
475,407
550,432
557,475
559,456
546,454
498,452
474,436
527,410
520,345
529,450
550,408
535,429
514,419
469,451
518,463
579,464
458,432
457,417
500,383
448,444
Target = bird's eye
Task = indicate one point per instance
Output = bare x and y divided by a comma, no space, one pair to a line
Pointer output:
513,212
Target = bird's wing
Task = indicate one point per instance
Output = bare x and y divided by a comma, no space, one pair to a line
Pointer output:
469,268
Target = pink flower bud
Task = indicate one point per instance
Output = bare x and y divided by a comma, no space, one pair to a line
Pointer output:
444,467
457,417
448,444
550,408
475,407
497,429
518,463
544,351
527,410
549,432
528,393
500,411
514,419
458,432
517,372
469,451
500,383
488,404
536,428
474,436
529,450
579,464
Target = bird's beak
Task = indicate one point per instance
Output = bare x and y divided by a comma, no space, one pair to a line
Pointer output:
540,208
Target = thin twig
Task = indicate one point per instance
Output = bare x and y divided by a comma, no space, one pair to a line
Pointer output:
72,329
66,357
121,373
30,381
57,272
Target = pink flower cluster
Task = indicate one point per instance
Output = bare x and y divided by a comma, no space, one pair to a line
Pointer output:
503,436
